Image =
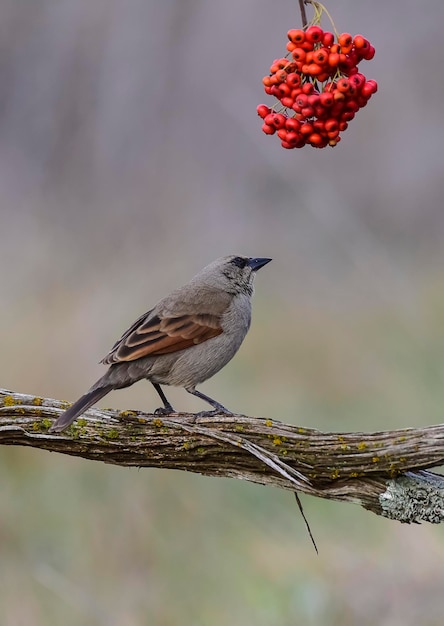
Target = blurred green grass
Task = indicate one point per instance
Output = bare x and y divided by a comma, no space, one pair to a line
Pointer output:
85,544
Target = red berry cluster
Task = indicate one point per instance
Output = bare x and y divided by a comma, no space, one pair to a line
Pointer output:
319,87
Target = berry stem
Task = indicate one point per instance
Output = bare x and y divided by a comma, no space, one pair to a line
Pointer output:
319,9
303,13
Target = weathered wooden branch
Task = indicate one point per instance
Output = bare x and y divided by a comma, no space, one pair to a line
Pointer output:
384,472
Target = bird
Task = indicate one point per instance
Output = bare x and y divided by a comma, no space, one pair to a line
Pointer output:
183,340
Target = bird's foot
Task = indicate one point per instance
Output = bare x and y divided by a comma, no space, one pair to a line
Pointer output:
164,410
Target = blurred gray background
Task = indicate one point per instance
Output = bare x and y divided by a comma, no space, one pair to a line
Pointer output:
130,156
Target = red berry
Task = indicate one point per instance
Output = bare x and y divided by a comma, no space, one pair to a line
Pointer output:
307,88
263,110
299,54
320,56
306,129
296,140
368,89
295,35
338,96
352,105
369,53
287,102
360,42
307,46
328,39
293,80
345,40
337,109
314,69
268,130
352,91
292,136
326,99
316,140
333,134
357,80
331,125
313,34
281,76
279,64
302,100
333,59
307,112
278,120
345,64
313,99
292,124
343,85
320,111
352,70
283,90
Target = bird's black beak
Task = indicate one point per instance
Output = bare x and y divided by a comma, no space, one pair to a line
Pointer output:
256,264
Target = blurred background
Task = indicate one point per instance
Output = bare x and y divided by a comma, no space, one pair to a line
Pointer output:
130,156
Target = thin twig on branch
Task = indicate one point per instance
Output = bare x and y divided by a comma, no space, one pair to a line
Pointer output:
384,472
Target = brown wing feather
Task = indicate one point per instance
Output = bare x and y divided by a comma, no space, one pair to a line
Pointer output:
152,336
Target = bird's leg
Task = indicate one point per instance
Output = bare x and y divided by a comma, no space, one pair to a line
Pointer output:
218,408
166,409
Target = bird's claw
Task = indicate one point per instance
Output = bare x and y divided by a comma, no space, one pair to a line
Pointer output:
164,410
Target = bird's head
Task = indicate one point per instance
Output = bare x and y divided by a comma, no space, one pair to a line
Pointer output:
233,274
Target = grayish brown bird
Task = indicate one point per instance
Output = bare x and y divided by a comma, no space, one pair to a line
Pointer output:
184,340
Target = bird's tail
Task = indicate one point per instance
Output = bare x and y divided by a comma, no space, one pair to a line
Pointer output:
91,397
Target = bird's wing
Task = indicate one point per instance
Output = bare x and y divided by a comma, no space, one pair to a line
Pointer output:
152,335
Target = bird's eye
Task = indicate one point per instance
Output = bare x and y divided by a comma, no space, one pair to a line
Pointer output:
240,261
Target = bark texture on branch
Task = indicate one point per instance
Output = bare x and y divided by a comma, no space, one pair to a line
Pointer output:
384,472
